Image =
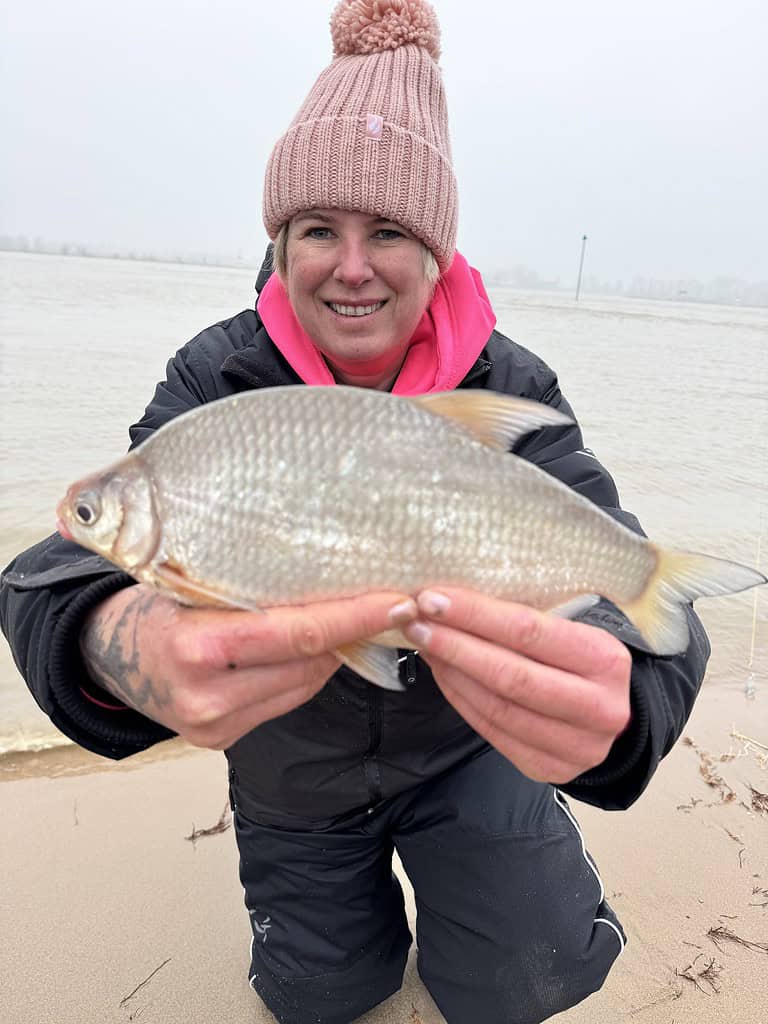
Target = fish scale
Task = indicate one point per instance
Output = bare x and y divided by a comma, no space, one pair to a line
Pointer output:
306,532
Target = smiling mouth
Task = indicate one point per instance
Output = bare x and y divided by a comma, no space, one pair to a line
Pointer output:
357,310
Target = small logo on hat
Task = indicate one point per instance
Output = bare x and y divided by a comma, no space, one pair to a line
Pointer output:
374,124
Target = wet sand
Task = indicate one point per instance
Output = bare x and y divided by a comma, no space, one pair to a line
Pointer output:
109,914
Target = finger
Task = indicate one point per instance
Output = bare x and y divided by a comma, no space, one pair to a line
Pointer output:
574,646
289,633
542,765
515,678
575,746
239,723
218,697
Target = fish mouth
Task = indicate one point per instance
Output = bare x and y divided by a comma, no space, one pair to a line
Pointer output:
61,526
355,309
63,531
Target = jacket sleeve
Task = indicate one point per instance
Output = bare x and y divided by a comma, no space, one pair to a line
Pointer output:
663,689
47,591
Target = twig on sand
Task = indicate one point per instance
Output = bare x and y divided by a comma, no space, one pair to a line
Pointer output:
141,984
748,739
722,933
690,805
675,991
757,891
736,839
749,745
759,800
728,832
221,825
74,812
708,974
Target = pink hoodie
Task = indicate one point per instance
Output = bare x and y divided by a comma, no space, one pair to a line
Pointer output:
444,347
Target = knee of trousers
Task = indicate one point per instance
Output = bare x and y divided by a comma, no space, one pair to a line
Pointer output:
530,982
337,997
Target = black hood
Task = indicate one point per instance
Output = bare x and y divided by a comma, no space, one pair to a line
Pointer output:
266,269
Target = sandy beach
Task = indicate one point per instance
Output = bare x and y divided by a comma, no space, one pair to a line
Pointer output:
110,914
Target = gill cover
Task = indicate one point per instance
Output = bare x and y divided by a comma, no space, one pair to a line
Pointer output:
139,535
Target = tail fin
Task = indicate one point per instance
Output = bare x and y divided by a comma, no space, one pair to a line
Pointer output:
680,577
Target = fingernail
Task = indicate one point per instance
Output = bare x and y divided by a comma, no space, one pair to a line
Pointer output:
433,604
419,634
403,613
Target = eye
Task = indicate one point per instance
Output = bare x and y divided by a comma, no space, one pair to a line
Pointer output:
87,509
389,234
321,234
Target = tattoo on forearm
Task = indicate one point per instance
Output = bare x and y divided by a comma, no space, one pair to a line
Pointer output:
111,652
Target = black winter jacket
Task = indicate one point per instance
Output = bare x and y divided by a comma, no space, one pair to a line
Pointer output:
353,744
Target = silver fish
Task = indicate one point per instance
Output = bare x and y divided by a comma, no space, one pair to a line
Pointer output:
294,494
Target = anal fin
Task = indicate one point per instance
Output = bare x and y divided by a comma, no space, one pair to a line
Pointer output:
573,608
373,662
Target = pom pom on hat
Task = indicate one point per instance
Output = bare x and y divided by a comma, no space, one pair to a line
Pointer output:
372,134
361,27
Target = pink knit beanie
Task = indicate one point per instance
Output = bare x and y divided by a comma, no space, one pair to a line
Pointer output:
372,135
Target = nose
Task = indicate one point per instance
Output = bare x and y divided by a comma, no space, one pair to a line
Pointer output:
353,267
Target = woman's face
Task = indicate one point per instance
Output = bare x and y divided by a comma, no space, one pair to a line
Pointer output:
358,287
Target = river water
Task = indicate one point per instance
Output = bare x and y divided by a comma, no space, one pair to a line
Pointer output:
672,397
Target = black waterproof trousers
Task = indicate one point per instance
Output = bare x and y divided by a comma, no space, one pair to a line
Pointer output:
512,921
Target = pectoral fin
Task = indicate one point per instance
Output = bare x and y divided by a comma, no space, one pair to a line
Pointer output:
169,577
496,420
373,662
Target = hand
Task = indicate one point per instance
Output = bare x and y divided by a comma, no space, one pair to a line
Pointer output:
211,675
550,694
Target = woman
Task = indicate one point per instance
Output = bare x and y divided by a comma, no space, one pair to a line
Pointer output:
503,705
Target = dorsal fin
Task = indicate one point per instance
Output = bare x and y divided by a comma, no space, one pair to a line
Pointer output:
495,419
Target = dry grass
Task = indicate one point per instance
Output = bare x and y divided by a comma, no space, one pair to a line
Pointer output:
723,934
221,825
709,773
704,976
759,800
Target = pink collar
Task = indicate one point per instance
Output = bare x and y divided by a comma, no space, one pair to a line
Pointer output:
450,336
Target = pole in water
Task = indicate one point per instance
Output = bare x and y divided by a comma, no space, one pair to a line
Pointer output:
581,265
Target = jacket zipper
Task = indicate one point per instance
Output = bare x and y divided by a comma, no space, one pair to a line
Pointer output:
410,668
232,782
407,667
370,764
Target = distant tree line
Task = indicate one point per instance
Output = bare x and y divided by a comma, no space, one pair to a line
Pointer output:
21,243
728,291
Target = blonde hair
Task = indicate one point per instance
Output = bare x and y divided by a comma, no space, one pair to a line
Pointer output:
280,257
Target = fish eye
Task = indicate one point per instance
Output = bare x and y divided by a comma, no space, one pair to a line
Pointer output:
87,509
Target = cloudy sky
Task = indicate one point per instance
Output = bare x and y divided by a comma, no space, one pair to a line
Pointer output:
147,125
